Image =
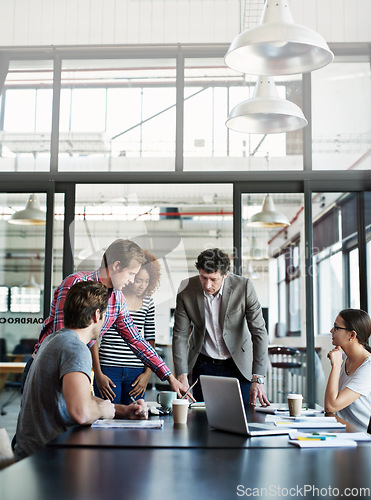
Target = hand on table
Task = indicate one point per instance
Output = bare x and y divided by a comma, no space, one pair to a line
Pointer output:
257,392
134,411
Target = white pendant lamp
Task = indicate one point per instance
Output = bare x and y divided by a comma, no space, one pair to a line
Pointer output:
268,217
31,283
266,113
278,46
32,215
251,273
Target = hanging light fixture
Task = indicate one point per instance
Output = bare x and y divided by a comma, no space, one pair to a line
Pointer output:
278,46
255,251
268,217
265,112
31,283
251,273
32,215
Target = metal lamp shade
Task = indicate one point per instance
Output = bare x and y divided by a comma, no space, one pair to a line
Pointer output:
268,217
278,46
32,215
266,113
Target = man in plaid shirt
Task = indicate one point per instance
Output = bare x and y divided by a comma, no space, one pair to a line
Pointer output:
120,263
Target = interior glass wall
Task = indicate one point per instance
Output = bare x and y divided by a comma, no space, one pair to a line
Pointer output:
341,108
367,204
25,115
273,258
212,90
22,263
174,222
117,115
335,265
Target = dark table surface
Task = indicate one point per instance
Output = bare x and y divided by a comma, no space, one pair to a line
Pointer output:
195,434
188,474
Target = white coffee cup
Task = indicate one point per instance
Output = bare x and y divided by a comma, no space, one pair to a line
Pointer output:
180,411
295,402
164,398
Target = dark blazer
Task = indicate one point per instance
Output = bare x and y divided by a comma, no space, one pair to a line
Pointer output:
241,319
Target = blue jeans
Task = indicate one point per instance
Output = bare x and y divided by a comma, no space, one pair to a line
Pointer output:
205,366
122,377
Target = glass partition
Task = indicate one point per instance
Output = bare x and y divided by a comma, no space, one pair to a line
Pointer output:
174,222
335,267
26,116
273,258
117,115
212,90
22,257
367,199
341,108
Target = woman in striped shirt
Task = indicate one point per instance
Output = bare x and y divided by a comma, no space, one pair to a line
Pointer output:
126,371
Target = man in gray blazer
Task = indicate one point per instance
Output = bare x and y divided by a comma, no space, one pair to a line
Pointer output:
219,328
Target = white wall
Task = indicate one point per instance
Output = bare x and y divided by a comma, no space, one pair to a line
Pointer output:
101,22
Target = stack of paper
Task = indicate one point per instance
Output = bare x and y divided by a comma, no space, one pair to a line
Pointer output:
128,424
272,410
325,440
305,422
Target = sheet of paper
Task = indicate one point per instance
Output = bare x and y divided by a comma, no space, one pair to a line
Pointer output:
284,412
354,436
328,443
302,418
128,424
311,425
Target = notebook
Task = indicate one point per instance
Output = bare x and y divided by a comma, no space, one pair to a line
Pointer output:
225,409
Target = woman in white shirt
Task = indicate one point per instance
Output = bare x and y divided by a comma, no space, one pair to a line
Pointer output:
348,388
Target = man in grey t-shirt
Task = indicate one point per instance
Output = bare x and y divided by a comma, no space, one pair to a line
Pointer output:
58,393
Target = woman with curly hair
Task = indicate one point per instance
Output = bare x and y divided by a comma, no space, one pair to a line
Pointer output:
128,376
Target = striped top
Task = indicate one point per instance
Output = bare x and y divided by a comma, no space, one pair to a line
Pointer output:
117,314
115,351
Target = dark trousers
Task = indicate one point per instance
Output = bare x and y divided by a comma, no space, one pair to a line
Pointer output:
226,368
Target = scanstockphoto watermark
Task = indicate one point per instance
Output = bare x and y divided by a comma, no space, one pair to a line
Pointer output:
307,490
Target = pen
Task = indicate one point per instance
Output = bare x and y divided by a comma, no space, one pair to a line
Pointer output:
184,395
142,412
324,435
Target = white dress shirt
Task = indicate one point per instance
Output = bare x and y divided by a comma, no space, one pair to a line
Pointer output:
214,345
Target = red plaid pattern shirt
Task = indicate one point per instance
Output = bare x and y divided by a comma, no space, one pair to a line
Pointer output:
117,314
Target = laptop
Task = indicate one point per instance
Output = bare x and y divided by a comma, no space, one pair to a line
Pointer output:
225,409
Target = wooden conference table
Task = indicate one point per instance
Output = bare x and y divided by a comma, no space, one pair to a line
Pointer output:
184,464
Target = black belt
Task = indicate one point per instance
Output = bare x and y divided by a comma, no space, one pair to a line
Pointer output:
212,361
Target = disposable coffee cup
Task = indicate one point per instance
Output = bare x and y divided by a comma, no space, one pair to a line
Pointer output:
295,402
180,411
165,398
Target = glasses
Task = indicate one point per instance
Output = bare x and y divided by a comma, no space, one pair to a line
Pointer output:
336,328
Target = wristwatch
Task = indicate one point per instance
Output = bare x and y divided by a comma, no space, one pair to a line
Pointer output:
259,380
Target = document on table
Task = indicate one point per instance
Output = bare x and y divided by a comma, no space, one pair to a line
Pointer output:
322,440
128,424
329,443
353,436
305,422
284,411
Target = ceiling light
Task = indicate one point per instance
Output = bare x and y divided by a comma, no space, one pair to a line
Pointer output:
278,46
32,215
268,217
266,113
251,273
31,283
